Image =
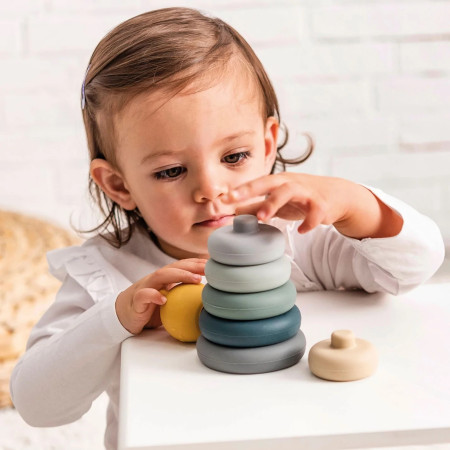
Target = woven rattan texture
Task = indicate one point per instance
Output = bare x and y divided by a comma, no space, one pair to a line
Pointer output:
26,286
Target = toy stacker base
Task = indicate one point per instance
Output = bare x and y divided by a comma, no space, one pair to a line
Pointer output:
251,360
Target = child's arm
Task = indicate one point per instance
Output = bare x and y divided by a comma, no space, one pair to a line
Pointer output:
382,245
73,352
351,208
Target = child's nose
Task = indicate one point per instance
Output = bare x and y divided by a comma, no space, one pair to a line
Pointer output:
208,188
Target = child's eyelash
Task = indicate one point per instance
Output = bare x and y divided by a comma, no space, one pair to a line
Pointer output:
241,156
171,173
233,159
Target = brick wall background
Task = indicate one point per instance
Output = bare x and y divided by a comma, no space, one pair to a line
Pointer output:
370,80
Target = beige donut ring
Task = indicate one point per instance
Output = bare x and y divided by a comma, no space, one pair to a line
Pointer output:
343,357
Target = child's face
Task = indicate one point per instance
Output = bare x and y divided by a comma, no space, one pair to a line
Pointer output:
177,158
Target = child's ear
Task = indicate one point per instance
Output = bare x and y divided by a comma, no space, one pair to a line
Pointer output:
112,183
270,140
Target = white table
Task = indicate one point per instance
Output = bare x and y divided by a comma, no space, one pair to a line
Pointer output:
169,400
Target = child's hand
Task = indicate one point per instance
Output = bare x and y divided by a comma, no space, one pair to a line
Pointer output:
137,305
350,207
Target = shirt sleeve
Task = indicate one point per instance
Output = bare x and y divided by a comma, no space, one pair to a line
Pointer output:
72,350
330,260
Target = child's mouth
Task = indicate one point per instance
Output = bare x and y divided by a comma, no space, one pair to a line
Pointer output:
216,222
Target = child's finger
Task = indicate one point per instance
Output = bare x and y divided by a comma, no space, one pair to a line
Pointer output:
169,287
167,275
189,260
314,217
278,198
144,298
195,265
155,318
255,188
252,208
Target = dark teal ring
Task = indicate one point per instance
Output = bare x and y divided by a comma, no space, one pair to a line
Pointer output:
250,333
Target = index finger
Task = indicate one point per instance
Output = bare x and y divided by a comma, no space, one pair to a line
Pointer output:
165,276
195,265
255,188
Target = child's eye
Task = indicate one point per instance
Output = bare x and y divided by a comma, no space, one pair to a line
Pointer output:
173,172
236,158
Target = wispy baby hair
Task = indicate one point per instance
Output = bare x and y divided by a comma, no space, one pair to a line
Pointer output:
166,49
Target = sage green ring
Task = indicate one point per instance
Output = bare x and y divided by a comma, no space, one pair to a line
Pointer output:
249,306
261,277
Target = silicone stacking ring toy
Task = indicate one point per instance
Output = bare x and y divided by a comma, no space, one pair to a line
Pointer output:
251,360
246,242
180,314
343,357
249,306
250,323
250,333
248,278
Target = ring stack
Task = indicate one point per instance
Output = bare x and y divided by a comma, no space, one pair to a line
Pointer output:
249,322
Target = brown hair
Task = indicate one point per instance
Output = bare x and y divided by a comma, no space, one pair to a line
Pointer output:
162,49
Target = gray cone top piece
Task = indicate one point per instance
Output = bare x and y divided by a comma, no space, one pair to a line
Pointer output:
246,242
245,224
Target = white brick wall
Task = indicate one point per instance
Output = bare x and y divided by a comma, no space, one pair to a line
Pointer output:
370,79
390,19
10,37
75,32
426,58
320,60
411,94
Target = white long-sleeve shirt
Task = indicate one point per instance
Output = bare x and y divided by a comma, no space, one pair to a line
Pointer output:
73,353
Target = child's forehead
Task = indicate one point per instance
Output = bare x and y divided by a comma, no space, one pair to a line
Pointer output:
236,80
197,115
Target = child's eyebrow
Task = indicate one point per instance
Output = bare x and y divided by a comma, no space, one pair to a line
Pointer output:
238,135
158,155
224,140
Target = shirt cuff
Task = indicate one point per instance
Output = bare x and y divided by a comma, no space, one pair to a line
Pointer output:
116,331
413,255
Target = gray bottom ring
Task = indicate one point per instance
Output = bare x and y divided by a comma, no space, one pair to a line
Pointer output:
251,360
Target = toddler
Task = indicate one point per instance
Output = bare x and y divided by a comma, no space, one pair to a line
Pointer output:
182,126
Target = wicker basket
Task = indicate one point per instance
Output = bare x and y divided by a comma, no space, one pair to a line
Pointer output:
26,287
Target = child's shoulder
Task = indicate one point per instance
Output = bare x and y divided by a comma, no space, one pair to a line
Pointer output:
93,252
97,255
104,242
